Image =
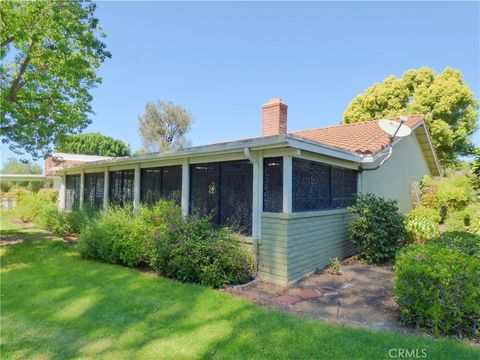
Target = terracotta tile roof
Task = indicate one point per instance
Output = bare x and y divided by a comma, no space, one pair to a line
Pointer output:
363,138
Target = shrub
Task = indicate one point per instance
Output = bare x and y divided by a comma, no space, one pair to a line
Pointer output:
193,251
467,219
64,223
421,224
439,288
52,193
30,205
116,237
53,220
16,193
462,241
451,193
189,250
378,231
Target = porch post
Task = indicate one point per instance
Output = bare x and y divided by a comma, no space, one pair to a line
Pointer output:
287,183
136,186
62,193
185,187
257,204
82,188
106,188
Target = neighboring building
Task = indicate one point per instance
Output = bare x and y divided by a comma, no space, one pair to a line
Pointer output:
288,192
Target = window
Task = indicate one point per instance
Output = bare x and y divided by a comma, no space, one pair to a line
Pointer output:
161,183
317,186
273,184
93,191
72,200
121,187
223,191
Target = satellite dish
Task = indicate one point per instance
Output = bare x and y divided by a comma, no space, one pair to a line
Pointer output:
394,128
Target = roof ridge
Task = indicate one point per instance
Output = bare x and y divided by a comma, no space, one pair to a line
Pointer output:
355,123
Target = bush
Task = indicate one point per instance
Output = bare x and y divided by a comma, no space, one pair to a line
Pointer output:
451,193
189,250
462,241
64,223
378,231
53,220
467,219
438,287
29,206
52,193
421,224
193,251
117,237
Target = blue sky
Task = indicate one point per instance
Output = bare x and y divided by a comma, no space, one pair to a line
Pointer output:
222,61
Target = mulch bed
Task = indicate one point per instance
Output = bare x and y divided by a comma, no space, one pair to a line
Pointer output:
362,296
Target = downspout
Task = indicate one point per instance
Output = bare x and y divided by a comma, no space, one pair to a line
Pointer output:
390,150
254,160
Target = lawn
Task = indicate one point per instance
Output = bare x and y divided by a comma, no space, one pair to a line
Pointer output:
56,305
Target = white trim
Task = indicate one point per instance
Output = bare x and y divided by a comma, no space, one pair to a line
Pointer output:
106,188
24,177
304,214
255,159
62,193
185,188
79,157
287,184
435,157
136,186
82,188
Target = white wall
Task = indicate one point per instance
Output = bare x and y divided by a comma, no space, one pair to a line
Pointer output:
393,179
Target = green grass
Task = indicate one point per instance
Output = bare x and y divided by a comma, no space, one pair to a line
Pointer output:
56,305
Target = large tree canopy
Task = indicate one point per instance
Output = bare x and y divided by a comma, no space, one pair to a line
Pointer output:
93,144
164,126
445,99
50,52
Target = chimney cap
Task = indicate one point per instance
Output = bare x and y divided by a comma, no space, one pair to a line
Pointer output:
274,101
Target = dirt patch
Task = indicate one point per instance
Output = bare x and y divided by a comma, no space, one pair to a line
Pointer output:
10,239
70,238
361,296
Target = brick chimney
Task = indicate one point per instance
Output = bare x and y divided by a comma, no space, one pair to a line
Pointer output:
274,118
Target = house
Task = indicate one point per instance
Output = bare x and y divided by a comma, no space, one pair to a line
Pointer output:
287,192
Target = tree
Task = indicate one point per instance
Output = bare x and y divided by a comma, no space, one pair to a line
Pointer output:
50,52
164,126
93,144
450,109
13,166
476,169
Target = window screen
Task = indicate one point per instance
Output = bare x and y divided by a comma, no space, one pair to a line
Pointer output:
204,193
121,187
93,190
317,186
72,200
223,191
161,183
273,184
344,187
310,185
236,195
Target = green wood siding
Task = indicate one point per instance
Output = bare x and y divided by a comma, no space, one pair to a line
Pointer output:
295,245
